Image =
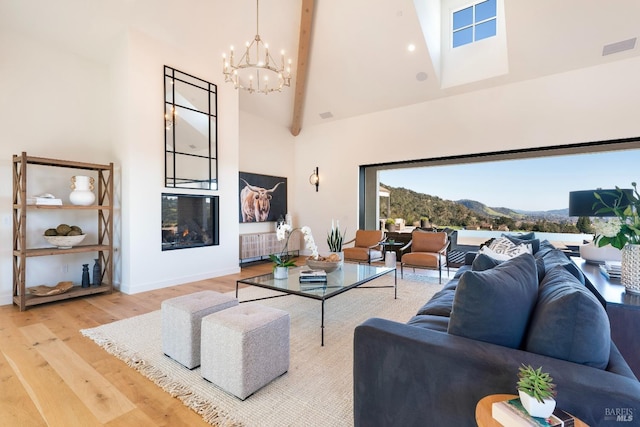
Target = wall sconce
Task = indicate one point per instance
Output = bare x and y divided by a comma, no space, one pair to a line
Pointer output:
314,179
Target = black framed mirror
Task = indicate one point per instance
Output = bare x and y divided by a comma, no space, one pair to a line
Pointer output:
191,131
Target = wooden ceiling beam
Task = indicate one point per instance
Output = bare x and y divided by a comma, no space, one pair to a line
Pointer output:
304,47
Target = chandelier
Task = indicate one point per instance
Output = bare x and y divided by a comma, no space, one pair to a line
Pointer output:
254,76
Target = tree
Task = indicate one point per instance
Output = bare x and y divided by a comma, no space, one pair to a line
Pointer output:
584,225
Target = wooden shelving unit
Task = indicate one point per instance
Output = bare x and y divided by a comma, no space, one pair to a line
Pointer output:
104,248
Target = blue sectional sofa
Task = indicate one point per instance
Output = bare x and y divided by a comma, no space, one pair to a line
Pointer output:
470,338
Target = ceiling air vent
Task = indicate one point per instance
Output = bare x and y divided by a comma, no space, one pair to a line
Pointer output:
619,46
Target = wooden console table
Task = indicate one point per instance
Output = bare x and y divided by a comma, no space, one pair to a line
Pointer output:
257,246
623,309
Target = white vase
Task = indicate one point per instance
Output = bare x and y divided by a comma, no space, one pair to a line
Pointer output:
535,408
281,272
630,275
82,194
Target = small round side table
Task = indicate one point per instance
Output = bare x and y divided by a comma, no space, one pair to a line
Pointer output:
483,411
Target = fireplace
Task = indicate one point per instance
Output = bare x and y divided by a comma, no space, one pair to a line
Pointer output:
189,221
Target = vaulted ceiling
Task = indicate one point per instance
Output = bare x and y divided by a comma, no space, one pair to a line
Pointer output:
358,61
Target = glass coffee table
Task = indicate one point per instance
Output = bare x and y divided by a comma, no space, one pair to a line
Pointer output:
349,276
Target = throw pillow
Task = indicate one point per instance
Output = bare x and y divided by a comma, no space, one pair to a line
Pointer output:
485,250
505,246
568,322
484,262
495,305
535,243
523,236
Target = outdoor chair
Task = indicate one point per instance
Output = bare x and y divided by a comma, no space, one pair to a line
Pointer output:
428,250
366,247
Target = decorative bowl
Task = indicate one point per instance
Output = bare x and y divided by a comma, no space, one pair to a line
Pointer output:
65,242
327,266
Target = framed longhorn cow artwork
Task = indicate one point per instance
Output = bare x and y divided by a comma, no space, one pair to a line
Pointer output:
262,197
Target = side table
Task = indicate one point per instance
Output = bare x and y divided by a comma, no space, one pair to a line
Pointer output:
388,248
483,411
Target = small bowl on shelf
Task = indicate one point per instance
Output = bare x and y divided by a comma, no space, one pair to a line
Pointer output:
65,242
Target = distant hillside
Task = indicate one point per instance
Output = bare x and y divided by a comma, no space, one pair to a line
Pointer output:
411,206
485,210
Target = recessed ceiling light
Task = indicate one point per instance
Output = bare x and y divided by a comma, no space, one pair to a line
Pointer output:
326,115
422,76
411,47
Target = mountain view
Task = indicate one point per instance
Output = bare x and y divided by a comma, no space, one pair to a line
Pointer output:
412,206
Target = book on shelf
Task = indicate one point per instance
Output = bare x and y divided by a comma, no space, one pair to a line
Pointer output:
313,276
511,413
44,199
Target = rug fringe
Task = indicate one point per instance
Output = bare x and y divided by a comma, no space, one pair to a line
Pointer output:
210,413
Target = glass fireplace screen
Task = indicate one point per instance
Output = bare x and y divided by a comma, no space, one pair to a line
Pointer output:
189,221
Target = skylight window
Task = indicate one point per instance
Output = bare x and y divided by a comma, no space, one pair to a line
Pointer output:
473,23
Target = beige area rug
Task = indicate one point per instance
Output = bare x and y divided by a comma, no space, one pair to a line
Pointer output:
318,388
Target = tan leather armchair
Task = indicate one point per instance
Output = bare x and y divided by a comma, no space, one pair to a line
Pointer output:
428,250
366,246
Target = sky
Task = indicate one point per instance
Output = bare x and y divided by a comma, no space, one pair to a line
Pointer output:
528,184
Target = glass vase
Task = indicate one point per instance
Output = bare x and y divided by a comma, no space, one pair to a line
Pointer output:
631,268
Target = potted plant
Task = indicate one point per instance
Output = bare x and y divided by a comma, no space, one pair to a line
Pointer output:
622,231
424,222
281,262
334,238
537,391
390,224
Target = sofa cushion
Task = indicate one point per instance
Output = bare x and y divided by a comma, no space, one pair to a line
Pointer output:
484,262
440,304
553,257
495,305
569,322
426,321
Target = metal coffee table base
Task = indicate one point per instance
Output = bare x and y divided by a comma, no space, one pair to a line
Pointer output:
321,291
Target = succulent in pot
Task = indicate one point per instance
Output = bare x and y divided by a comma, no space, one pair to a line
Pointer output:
537,391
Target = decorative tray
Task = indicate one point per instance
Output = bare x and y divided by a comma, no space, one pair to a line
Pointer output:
43,290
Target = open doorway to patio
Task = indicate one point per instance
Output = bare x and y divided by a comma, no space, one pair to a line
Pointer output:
524,190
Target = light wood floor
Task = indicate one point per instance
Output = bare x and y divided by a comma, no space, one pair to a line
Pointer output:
51,375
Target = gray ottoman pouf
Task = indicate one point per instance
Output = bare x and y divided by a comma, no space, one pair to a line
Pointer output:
182,320
245,347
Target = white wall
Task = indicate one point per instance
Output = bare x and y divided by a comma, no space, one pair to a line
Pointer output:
594,104
267,149
141,156
53,104
57,104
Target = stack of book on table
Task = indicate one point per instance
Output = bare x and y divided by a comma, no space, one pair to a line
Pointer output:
611,269
307,276
511,413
